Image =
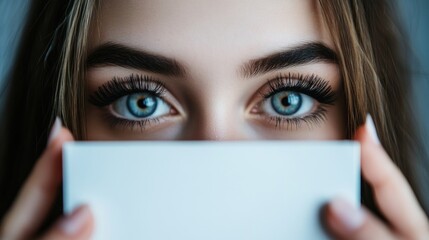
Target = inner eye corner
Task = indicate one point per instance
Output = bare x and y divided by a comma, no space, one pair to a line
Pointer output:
253,105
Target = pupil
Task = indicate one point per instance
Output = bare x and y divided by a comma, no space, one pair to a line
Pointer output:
141,103
286,101
145,103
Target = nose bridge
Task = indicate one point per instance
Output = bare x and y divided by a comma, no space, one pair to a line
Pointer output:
215,109
213,123
215,117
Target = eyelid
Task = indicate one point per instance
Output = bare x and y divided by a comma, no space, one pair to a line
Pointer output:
121,86
107,94
311,85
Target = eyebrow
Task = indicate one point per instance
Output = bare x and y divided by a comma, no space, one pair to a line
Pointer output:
302,54
114,54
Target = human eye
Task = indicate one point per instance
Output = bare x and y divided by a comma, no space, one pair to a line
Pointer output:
132,101
288,101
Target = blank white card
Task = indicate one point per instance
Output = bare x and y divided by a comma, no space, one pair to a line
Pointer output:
185,190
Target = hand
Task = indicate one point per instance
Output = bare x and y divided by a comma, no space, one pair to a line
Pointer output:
393,196
38,194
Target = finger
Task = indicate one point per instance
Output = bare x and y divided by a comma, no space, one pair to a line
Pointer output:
38,193
393,195
344,221
78,225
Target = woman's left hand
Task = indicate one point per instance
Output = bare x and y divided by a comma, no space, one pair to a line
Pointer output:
393,195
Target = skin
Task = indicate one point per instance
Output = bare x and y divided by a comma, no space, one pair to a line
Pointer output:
214,102
213,99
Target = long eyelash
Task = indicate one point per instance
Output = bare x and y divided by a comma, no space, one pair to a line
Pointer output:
141,124
119,87
313,119
311,85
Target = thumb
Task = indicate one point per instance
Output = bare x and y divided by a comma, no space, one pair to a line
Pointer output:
345,221
77,225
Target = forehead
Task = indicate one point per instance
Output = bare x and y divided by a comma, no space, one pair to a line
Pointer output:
208,20
198,30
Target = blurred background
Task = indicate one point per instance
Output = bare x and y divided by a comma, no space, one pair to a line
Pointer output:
415,14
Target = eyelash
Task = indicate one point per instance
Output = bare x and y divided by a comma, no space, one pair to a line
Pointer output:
130,124
310,85
119,87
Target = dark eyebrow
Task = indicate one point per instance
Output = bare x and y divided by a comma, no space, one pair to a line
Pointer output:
302,54
120,55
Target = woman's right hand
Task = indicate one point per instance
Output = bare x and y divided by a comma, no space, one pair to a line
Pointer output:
38,194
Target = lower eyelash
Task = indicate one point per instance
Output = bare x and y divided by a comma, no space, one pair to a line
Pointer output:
310,85
142,124
290,124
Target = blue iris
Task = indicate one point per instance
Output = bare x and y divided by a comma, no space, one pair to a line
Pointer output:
286,102
142,104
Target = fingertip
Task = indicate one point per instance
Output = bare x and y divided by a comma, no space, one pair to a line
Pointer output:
371,130
367,132
89,228
343,218
64,135
55,130
90,217
351,217
51,157
78,224
58,135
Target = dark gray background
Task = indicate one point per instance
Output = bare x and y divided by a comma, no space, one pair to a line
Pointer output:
415,14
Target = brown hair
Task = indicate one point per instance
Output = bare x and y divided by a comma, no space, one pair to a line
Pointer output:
376,78
47,81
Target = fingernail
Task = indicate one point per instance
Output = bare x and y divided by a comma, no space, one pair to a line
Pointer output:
75,222
56,127
370,127
350,216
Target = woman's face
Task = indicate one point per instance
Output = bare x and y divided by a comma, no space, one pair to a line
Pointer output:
212,70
